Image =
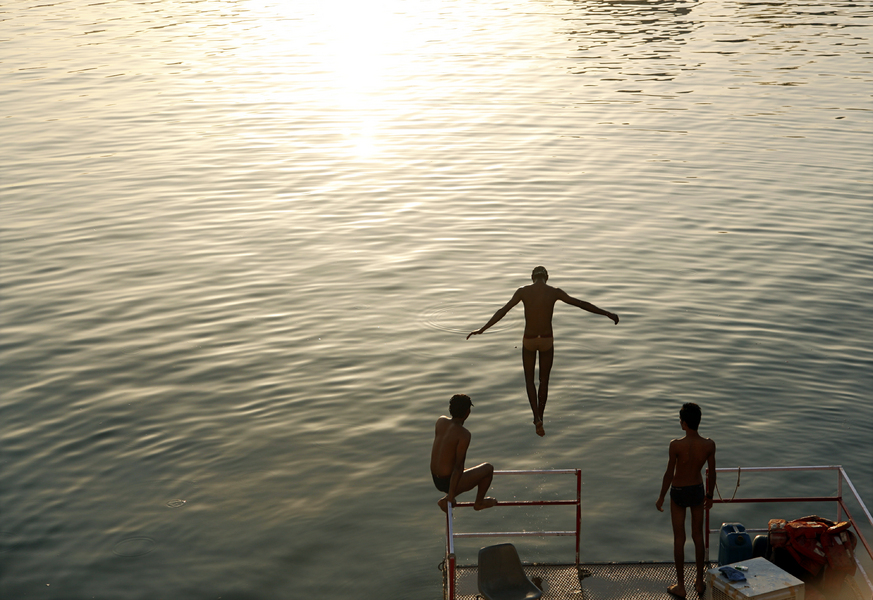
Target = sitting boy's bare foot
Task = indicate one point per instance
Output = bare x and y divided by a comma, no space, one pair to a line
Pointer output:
487,502
700,588
443,503
540,431
677,590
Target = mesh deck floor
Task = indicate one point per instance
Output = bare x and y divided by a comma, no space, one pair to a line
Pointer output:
612,581
608,581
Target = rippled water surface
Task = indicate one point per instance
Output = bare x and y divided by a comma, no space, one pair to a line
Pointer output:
242,242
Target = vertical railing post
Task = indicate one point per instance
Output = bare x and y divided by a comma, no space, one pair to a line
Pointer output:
578,512
840,494
450,552
451,577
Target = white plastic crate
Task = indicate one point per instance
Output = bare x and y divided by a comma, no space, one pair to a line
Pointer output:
764,581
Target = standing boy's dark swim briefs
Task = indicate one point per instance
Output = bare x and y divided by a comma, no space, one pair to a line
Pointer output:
690,495
442,483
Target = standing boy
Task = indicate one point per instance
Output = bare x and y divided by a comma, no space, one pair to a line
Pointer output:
683,478
539,300
450,443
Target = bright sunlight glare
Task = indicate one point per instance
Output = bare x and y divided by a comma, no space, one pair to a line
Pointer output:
363,53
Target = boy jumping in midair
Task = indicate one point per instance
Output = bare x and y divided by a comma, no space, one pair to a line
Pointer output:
539,300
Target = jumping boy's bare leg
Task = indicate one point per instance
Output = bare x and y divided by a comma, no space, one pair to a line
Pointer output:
528,361
677,516
547,357
699,549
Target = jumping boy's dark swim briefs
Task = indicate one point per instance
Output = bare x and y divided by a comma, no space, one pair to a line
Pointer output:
689,495
442,483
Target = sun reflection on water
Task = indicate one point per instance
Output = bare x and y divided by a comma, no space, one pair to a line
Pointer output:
360,55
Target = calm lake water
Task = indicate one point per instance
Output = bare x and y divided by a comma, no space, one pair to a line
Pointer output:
242,243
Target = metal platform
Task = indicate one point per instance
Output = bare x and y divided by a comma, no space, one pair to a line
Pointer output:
632,581
608,581
596,581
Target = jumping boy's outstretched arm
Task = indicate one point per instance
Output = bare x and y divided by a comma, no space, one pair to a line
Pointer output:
516,298
565,297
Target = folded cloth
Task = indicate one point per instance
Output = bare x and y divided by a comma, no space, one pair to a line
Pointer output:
732,574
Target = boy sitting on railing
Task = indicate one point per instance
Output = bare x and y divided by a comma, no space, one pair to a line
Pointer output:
450,443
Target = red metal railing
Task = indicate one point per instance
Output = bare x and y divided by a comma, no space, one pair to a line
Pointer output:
451,535
842,478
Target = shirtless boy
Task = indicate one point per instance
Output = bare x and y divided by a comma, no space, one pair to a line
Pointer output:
539,303
687,457
450,444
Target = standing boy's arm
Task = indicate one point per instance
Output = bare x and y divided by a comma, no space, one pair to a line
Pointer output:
668,478
710,477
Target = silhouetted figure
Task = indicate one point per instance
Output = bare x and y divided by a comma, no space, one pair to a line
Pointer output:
450,443
539,303
687,457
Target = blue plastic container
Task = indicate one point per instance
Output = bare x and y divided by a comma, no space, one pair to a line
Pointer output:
734,544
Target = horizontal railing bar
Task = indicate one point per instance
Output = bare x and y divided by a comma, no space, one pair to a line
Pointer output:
753,500
749,530
747,469
536,471
516,534
526,503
